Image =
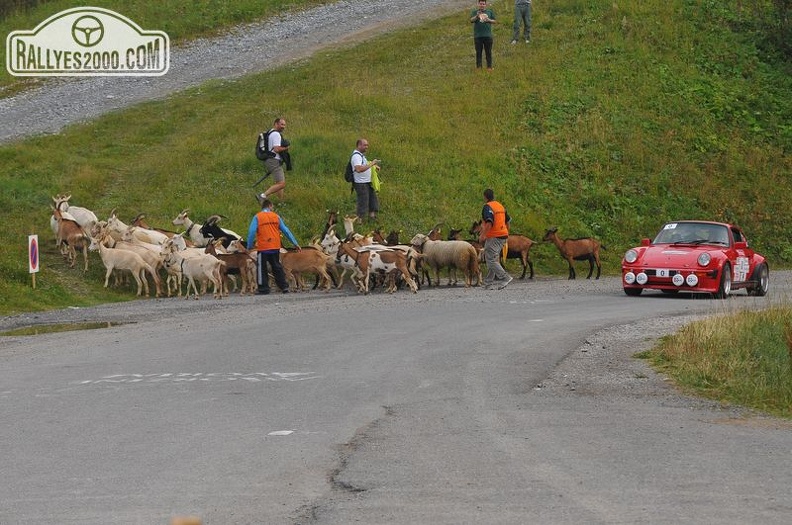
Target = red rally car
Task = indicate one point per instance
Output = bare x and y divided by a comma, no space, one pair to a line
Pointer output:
695,257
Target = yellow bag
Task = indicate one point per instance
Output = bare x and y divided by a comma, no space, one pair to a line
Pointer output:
375,181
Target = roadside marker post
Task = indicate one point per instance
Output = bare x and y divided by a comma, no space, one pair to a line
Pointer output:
33,257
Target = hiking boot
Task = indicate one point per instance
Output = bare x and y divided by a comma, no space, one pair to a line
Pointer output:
513,42
505,283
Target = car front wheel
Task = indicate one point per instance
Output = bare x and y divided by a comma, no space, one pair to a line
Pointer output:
724,288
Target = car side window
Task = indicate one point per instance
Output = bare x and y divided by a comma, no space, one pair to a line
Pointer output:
720,235
738,236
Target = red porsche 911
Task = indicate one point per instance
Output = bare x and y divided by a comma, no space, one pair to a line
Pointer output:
695,257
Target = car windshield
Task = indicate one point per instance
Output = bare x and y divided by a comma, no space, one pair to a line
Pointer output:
693,233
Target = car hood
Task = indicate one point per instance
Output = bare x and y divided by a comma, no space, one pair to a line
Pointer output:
672,254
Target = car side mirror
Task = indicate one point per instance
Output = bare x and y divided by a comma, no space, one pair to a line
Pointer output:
740,245
645,242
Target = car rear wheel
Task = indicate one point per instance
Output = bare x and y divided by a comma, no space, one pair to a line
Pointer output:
633,292
724,288
761,276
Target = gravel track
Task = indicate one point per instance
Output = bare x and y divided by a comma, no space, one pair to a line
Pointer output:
246,49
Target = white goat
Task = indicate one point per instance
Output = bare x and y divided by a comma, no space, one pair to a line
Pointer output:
349,224
116,227
116,259
203,267
82,216
177,244
153,257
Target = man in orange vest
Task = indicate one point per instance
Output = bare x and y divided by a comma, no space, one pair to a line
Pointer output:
494,234
264,235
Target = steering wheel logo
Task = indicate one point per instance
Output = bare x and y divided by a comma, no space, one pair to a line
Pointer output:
87,31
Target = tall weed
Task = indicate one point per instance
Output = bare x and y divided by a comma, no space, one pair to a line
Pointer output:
741,357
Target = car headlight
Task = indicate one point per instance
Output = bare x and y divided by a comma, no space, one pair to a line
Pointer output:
631,256
704,259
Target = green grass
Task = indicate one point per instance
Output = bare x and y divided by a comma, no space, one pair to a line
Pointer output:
743,358
617,118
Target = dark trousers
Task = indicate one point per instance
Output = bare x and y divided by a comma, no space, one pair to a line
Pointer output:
484,44
367,201
271,258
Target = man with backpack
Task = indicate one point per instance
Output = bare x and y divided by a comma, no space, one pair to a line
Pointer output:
277,152
367,202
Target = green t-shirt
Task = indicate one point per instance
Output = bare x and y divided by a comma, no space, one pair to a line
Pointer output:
480,29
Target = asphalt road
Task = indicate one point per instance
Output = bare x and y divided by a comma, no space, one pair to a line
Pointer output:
449,406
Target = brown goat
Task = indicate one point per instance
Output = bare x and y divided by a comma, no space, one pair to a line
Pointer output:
140,222
307,260
347,251
70,237
581,249
332,220
518,247
392,239
238,262
390,263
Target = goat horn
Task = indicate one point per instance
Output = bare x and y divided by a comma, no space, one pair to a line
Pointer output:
113,213
184,211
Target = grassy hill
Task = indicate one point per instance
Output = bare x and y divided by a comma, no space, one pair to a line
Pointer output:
618,117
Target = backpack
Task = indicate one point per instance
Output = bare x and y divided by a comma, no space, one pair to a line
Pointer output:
349,174
262,146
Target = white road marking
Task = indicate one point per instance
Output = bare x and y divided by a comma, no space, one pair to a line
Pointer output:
205,377
281,433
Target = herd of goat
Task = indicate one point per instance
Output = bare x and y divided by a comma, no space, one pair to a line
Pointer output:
207,254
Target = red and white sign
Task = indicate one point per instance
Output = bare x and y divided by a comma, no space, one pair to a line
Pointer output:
33,253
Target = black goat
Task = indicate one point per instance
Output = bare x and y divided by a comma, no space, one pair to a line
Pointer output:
211,229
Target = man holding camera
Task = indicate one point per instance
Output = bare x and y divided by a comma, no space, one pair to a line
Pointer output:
482,19
367,202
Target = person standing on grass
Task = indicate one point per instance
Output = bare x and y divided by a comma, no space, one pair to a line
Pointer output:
522,16
494,234
264,235
278,149
367,201
482,19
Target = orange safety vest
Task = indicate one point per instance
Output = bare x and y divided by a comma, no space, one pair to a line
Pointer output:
499,227
268,233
